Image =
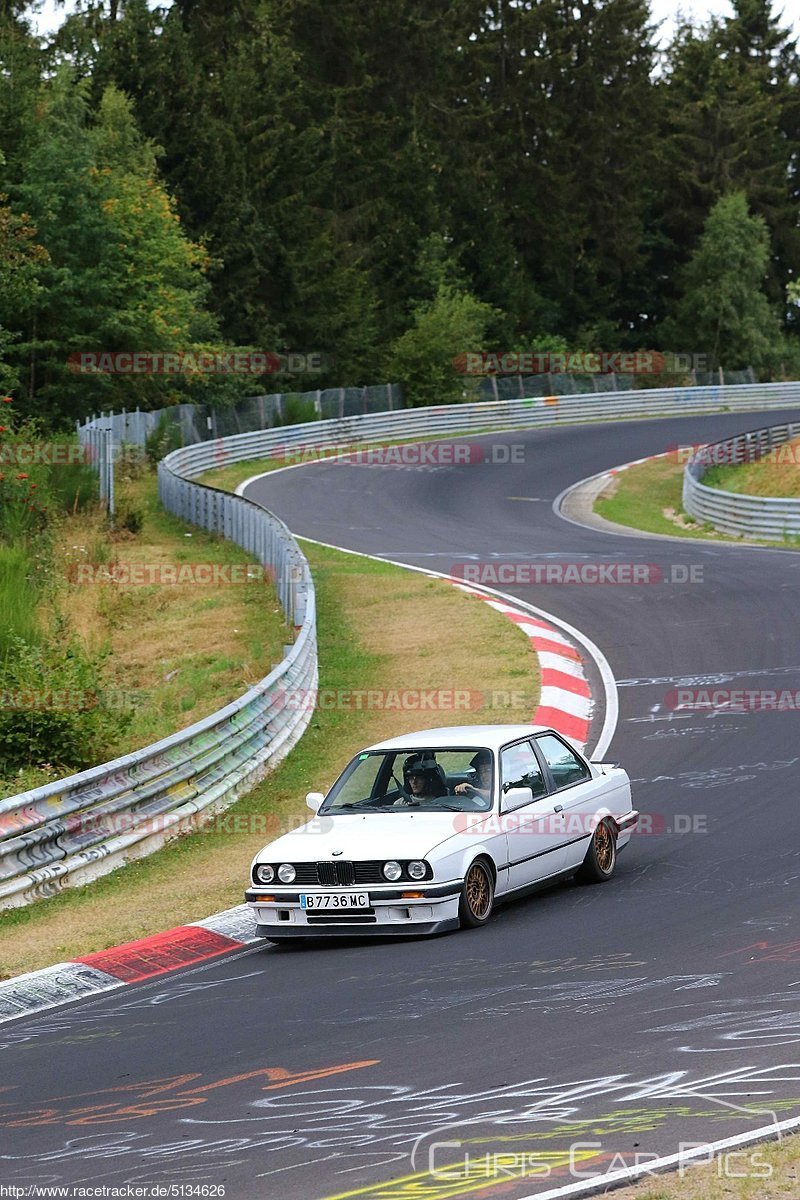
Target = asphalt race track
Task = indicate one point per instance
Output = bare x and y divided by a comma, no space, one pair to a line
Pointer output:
583,1029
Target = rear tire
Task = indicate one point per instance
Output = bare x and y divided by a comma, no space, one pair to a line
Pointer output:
601,857
477,895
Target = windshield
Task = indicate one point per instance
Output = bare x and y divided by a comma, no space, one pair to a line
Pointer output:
437,780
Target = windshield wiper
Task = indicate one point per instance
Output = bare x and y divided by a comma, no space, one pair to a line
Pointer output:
357,804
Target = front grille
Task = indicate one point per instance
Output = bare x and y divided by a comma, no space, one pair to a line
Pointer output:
306,874
336,874
370,872
326,874
345,873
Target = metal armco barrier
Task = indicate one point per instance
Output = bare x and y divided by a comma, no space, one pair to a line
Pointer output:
321,438
78,828
733,512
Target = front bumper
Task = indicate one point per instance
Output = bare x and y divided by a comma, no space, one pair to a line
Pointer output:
433,910
625,827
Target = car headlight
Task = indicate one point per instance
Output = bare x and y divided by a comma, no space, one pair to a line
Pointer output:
286,873
417,869
392,870
265,874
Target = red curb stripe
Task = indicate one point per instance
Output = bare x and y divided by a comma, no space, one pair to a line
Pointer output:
542,643
572,727
163,952
568,683
524,619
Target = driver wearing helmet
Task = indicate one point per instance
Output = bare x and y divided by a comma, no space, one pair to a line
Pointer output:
423,779
481,763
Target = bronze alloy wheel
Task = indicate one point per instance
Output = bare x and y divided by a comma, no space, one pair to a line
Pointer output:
604,847
477,896
601,857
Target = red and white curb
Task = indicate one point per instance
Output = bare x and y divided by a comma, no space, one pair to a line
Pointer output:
132,962
565,701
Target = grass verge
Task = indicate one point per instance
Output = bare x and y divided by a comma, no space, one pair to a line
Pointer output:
773,1174
180,651
649,497
775,474
380,628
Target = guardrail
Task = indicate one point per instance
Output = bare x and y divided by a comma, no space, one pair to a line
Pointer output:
733,512
78,828
336,436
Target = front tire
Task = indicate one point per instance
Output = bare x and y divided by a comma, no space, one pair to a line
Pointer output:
477,895
601,857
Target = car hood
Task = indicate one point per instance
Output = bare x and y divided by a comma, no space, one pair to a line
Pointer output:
360,836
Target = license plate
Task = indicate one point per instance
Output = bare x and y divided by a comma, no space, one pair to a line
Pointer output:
338,900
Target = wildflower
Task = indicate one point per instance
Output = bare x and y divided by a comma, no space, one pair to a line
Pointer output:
22,476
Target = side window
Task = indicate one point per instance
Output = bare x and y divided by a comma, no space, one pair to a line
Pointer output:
564,764
519,768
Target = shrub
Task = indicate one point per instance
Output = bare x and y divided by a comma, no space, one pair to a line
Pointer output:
297,410
165,438
130,519
55,708
424,359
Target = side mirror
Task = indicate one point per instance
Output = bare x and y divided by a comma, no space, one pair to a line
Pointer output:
514,797
314,800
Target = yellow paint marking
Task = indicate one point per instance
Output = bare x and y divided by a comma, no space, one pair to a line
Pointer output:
475,1175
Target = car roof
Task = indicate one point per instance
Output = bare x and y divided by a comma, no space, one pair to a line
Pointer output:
466,736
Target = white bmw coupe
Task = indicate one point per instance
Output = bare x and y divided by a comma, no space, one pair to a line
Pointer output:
426,832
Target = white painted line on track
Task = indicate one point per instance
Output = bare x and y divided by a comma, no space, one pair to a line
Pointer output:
611,707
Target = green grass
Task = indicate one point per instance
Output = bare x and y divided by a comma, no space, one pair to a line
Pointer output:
18,597
768,1171
776,474
649,497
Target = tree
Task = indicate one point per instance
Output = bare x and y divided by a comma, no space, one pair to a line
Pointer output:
20,260
120,274
214,85
21,64
723,310
574,141
731,121
424,359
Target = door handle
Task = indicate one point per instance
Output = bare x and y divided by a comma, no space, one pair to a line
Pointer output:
559,808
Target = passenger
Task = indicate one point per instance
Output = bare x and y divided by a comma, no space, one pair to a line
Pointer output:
482,788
